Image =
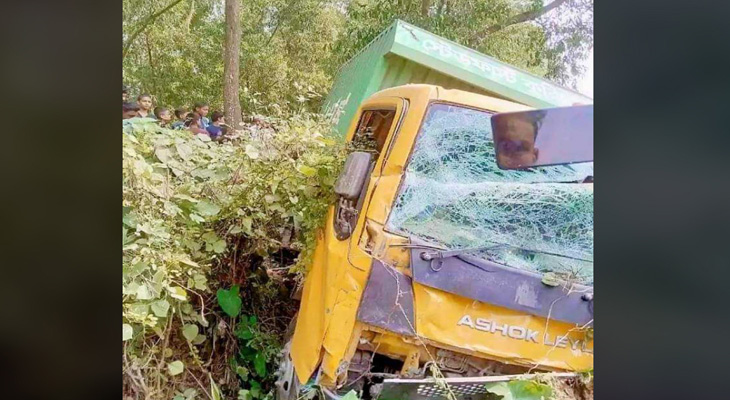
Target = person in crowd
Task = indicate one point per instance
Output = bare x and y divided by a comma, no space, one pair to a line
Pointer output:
181,114
129,110
145,106
215,129
194,124
125,93
202,109
163,115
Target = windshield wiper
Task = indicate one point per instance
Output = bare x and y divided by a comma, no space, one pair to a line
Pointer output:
441,254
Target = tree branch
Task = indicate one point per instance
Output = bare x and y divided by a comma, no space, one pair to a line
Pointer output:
523,17
144,24
425,5
190,17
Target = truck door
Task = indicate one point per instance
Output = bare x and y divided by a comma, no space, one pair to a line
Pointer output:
322,306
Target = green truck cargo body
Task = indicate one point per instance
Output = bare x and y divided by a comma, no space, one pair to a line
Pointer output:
405,54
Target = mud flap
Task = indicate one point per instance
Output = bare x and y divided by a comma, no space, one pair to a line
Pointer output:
463,388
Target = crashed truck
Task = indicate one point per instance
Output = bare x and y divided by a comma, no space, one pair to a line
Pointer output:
456,255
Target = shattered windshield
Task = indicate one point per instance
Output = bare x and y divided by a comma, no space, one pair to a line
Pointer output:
454,195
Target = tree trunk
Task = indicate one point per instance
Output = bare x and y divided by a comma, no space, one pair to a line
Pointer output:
425,5
231,67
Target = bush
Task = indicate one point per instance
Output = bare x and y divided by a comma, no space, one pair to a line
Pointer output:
196,214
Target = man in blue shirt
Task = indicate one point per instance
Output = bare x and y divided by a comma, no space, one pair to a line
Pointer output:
215,130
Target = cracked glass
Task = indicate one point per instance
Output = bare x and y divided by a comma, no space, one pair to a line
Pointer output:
454,195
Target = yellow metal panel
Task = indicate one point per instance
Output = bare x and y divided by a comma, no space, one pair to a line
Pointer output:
335,284
499,333
318,298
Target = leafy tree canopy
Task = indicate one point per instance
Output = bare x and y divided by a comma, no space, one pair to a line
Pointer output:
174,48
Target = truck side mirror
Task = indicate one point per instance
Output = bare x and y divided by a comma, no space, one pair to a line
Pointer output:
353,176
349,188
552,136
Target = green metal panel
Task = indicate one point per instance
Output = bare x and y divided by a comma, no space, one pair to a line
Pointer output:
404,54
400,71
478,69
359,77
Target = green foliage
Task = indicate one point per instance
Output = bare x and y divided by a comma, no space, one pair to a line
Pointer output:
521,390
229,301
291,49
256,350
284,45
175,367
552,46
187,203
351,395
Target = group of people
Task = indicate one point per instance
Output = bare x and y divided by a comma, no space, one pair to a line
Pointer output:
196,121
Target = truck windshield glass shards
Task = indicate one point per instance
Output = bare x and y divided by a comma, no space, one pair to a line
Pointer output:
455,195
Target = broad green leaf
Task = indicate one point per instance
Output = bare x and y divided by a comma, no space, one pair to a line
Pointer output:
184,150
307,170
189,262
131,288
244,332
244,394
197,218
247,224
500,389
530,390
203,173
139,309
255,389
229,301
259,364
137,269
202,320
520,390
551,279
175,367
163,154
351,395
209,237
126,332
215,392
252,152
160,308
200,282
129,220
207,209
199,339
190,331
242,372
219,246
178,293
143,293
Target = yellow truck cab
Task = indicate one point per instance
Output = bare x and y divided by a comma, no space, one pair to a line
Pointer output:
434,262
